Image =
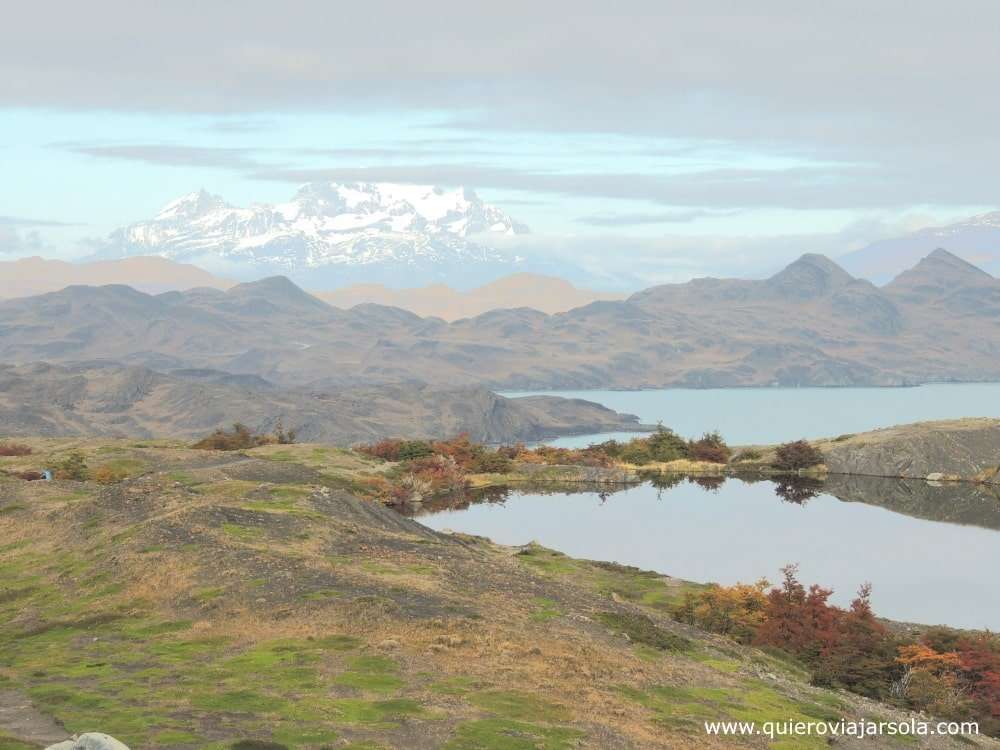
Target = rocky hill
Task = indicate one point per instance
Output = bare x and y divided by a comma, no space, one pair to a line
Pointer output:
963,448
246,602
108,399
810,324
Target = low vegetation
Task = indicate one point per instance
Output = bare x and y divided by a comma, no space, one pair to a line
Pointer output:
796,455
216,599
240,437
14,449
946,673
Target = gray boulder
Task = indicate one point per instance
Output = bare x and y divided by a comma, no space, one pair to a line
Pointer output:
90,741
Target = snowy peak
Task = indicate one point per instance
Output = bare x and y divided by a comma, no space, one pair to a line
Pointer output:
190,206
333,226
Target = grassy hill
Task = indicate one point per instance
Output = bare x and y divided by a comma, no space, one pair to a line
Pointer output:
210,599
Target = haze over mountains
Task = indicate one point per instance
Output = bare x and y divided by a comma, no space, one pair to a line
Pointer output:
810,324
976,239
331,234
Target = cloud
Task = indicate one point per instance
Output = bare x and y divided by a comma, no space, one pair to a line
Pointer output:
613,261
640,219
20,221
19,244
819,187
170,155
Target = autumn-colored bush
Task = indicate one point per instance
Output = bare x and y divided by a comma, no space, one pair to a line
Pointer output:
14,449
392,449
843,648
709,447
736,611
460,449
797,455
108,474
239,437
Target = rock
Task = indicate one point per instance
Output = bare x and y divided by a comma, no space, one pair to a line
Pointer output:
389,644
938,451
90,741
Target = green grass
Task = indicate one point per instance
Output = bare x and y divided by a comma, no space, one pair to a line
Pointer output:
641,629
511,704
687,708
373,674
504,734
545,610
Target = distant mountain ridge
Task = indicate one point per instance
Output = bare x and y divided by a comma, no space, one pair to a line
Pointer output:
810,324
29,276
99,398
547,294
976,238
329,234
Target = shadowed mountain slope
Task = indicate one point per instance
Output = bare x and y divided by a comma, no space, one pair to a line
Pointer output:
810,324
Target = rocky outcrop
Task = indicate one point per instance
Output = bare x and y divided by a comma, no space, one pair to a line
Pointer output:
967,449
90,741
100,399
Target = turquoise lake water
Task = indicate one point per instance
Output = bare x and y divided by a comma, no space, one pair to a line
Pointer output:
772,415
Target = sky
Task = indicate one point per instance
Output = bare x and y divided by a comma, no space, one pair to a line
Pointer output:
682,138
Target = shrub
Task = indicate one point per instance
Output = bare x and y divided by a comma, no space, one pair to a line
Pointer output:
666,445
736,611
636,452
108,475
393,449
14,449
709,447
641,629
797,455
492,462
240,437
748,454
73,467
283,436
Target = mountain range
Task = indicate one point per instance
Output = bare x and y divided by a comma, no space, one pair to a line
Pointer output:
330,234
810,324
31,276
976,238
100,398
545,293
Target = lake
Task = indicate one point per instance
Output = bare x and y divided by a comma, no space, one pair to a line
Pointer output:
923,565
773,415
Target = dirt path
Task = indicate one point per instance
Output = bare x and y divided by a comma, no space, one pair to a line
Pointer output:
21,720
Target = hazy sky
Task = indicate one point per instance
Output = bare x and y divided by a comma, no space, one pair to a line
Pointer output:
690,137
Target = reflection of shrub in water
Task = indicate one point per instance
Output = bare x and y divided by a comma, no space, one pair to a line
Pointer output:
707,483
798,490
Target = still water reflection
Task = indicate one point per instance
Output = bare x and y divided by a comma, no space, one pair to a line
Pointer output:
932,553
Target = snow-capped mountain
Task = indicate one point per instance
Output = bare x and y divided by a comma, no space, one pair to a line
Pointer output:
330,232
976,239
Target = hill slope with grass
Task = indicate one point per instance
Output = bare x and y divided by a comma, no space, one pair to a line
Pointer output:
216,600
